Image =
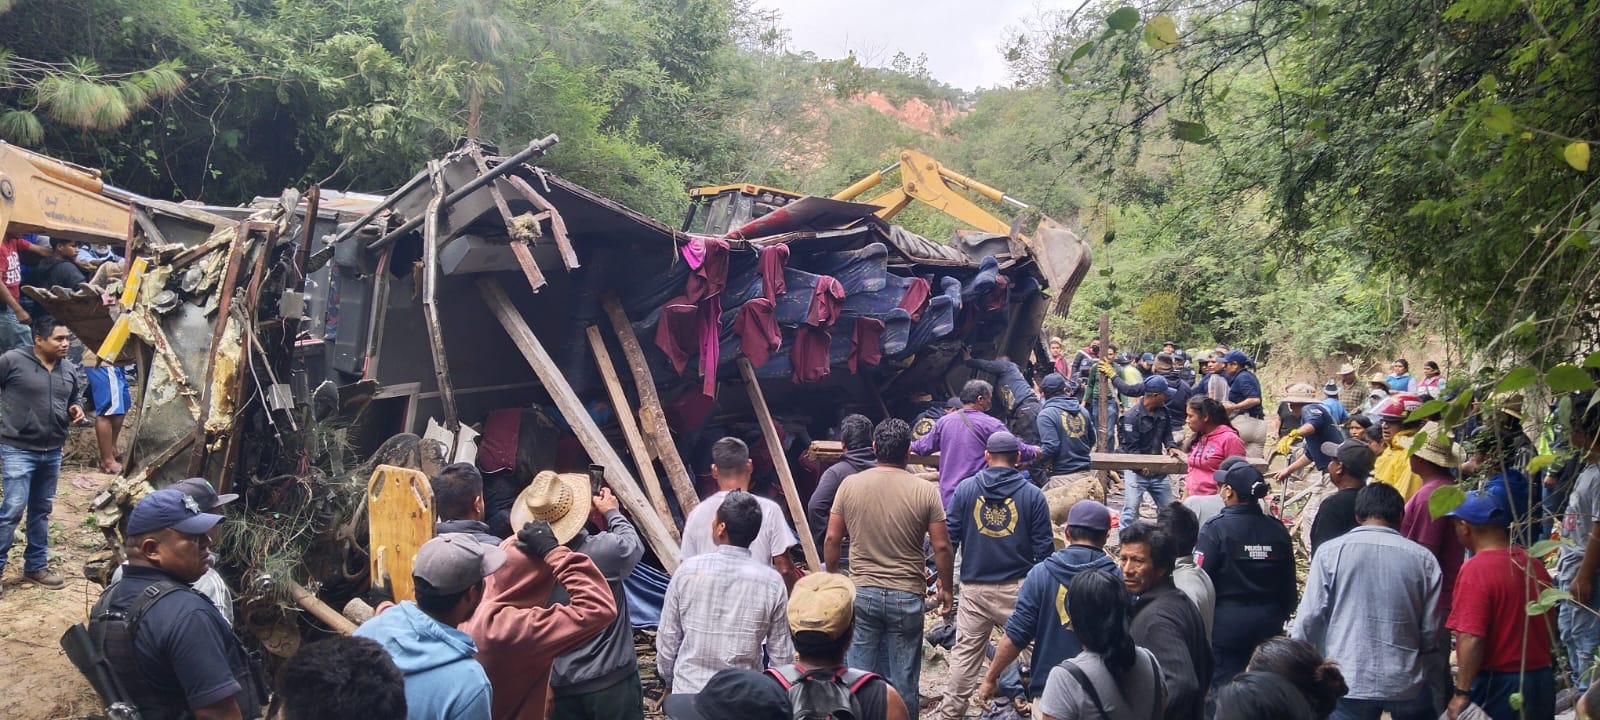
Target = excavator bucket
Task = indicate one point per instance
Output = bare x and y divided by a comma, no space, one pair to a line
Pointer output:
1063,257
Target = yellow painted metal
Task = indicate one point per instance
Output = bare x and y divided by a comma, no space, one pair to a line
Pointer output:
118,336
40,194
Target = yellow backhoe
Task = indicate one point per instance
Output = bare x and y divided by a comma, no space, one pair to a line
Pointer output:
40,194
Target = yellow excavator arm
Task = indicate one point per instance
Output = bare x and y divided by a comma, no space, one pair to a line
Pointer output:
40,194
924,178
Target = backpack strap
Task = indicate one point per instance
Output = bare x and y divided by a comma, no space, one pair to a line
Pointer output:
857,679
148,598
778,674
1088,687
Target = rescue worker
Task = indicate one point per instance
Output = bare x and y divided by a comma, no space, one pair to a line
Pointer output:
1145,430
1394,463
1015,401
1317,425
1244,403
1066,432
1250,559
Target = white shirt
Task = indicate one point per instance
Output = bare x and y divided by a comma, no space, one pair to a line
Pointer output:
774,539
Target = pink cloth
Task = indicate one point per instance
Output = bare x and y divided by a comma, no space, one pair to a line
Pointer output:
708,256
497,449
1205,455
689,322
826,302
678,332
773,259
866,343
809,353
758,332
916,298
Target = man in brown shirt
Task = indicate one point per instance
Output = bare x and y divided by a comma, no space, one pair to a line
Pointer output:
887,513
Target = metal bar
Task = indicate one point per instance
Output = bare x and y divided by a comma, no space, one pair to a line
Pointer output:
430,304
361,222
537,147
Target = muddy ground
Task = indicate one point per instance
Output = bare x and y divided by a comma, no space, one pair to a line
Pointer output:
36,680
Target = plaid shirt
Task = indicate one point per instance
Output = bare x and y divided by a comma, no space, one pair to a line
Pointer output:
719,609
1354,396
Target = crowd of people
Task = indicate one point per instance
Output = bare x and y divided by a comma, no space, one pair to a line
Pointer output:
1050,601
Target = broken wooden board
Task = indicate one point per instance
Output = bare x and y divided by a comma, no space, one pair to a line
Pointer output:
1155,464
400,519
797,506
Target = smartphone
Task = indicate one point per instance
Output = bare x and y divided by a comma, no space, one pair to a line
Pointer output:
597,477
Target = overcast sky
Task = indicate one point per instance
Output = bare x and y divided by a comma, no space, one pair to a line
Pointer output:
962,38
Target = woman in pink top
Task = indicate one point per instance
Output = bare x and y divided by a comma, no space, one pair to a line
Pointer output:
1214,441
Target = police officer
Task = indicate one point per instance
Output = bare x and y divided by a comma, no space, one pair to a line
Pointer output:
1014,399
1066,432
923,423
1248,555
1244,402
1317,425
186,660
1145,429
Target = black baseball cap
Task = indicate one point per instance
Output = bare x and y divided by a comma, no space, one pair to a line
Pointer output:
200,489
732,694
1356,457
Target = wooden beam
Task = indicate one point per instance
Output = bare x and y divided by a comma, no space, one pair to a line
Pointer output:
572,408
1106,420
797,507
651,419
630,431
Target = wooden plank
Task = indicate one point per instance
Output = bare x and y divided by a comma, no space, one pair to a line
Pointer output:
797,506
630,431
1108,420
1160,464
651,419
572,408
399,520
519,247
558,225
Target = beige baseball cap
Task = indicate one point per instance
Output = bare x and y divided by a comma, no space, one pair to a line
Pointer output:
822,602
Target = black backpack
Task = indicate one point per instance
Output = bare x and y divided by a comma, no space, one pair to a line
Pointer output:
102,650
823,694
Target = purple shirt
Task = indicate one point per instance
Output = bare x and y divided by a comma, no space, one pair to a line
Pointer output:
960,445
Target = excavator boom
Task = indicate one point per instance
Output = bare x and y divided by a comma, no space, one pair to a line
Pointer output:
926,179
40,194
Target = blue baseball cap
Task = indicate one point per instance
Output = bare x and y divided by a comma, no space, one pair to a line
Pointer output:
1053,384
1148,357
1002,442
1089,513
1480,509
1156,384
1237,356
169,508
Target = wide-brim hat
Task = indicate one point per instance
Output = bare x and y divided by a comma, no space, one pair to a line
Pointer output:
1445,454
1347,369
559,499
1301,393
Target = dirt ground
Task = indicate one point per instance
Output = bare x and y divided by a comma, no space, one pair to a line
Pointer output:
36,680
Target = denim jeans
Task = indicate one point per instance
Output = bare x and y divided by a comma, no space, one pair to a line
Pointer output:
1134,486
1580,633
30,485
889,638
1417,708
13,334
1492,691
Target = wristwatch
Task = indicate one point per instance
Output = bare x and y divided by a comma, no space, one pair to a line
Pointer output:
1458,692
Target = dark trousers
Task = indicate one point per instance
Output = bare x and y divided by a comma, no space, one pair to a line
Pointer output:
1492,691
1235,632
623,701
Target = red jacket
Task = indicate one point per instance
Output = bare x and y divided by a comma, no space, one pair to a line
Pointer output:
519,637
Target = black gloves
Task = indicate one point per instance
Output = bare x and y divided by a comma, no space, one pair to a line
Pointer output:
536,540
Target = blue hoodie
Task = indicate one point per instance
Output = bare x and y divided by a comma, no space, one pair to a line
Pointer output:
443,681
1001,523
1041,614
1066,435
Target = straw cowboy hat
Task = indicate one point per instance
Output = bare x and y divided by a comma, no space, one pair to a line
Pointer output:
1347,369
1301,393
561,500
1439,449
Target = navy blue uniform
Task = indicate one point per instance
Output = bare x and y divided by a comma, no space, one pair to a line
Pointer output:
1001,523
1250,559
1242,386
1066,435
1146,432
1324,429
186,651
1012,391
